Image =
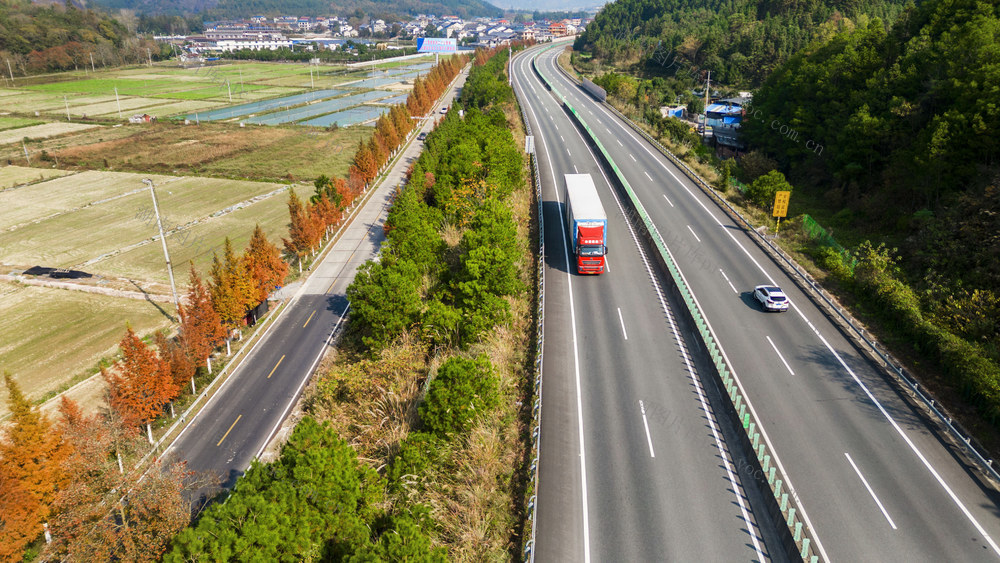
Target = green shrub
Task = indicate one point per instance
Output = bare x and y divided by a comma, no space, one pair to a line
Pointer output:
461,392
761,192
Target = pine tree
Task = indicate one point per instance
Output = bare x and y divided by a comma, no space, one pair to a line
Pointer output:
201,329
31,454
263,261
140,385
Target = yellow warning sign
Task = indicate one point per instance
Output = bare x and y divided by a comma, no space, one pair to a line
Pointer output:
781,204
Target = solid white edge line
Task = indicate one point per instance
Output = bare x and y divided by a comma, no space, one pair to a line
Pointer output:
777,461
622,321
871,492
690,369
693,233
649,439
782,358
576,359
305,380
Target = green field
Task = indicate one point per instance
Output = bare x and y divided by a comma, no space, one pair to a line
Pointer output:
16,122
50,336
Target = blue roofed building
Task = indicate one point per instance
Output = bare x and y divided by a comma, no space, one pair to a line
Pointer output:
724,117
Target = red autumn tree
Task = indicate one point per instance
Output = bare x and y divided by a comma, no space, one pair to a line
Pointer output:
298,241
180,364
31,456
201,328
112,510
263,261
140,384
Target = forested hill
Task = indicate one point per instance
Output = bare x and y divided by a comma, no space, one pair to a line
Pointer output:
740,41
37,38
910,124
227,9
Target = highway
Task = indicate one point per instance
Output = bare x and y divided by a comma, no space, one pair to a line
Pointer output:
239,420
876,479
634,464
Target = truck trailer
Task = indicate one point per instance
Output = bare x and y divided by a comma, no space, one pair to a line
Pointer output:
588,224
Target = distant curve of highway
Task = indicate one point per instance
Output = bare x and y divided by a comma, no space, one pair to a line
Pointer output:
876,479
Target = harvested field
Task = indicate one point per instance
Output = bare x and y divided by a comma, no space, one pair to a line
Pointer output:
43,130
11,176
50,336
199,242
89,232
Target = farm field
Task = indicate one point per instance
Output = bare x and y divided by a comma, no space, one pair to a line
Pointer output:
74,238
223,150
11,176
49,337
41,131
199,242
15,122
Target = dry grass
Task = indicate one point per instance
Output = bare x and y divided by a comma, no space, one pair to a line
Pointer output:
42,131
219,149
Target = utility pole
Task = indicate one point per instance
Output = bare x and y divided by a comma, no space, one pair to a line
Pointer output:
163,239
11,72
708,88
149,56
92,67
117,101
66,101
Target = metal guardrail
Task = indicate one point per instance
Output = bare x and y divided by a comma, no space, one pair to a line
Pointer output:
850,326
784,498
536,409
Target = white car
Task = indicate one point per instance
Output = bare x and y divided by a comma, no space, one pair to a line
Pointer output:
444,109
771,297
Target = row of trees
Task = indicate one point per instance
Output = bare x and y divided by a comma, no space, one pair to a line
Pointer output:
78,477
312,220
427,89
468,169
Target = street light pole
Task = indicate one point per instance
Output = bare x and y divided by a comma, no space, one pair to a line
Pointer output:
163,239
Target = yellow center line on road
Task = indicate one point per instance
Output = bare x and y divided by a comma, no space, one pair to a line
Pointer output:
230,430
309,319
276,366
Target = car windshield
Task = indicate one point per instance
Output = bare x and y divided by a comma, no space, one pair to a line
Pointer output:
591,250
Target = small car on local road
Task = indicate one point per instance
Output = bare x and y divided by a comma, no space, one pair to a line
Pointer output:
771,297
421,136
444,109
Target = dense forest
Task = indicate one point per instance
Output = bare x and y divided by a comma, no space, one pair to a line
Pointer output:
36,38
740,41
228,9
906,120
